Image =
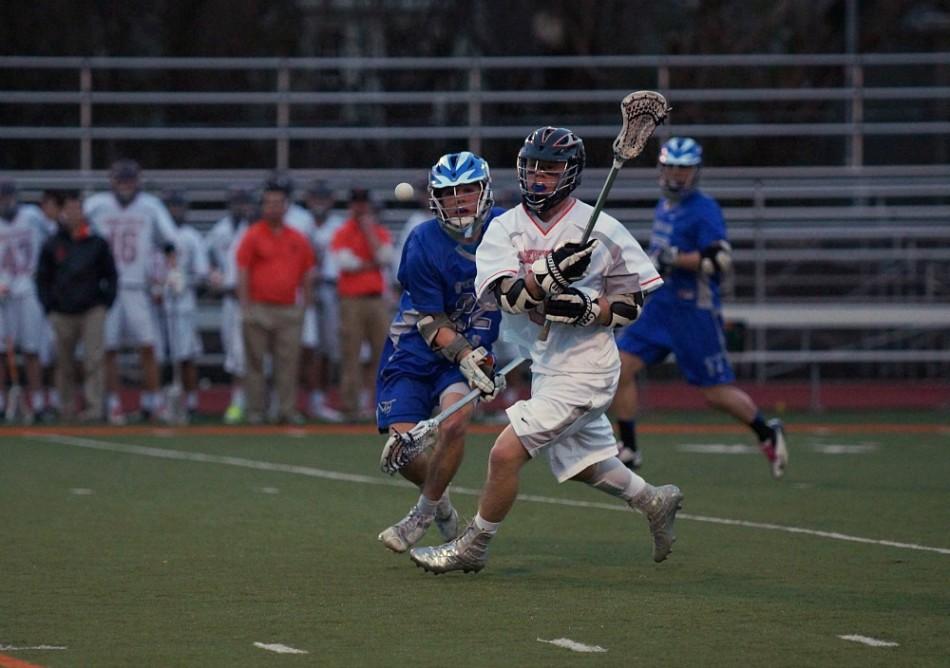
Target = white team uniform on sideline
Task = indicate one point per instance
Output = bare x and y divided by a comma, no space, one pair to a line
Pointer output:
21,315
222,242
133,233
302,220
575,372
328,299
180,308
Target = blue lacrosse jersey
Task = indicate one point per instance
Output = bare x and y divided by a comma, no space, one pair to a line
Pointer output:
690,225
437,275
683,316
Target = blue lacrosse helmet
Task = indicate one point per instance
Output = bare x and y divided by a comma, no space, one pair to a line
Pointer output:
549,144
685,153
453,170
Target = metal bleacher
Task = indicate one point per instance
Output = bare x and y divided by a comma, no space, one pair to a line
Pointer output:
842,270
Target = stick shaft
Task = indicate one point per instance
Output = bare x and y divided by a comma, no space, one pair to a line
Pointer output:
471,396
595,214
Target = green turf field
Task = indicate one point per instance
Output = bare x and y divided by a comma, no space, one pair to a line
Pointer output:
138,556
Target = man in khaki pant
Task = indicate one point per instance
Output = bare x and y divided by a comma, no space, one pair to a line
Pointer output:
275,278
76,283
362,249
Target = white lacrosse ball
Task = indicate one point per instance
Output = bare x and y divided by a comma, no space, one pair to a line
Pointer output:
404,192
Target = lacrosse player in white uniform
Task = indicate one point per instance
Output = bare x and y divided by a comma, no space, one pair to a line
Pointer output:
134,223
530,257
188,269
320,200
22,322
222,241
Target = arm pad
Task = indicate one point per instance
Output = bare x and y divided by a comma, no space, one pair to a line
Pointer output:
624,308
429,326
716,257
512,295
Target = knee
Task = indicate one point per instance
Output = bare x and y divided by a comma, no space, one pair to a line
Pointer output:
506,457
630,366
455,427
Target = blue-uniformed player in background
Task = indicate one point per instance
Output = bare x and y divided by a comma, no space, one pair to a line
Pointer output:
440,340
689,246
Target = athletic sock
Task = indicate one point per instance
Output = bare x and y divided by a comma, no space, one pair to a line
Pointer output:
237,396
146,401
482,524
762,430
612,477
114,403
628,433
426,506
444,506
191,401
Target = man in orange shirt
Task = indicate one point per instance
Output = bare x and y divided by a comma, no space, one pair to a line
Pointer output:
362,249
275,279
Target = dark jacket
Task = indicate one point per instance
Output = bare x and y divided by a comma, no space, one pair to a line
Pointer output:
74,275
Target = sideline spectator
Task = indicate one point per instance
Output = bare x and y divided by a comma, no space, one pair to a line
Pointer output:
136,224
362,249
274,263
322,373
76,282
23,230
223,241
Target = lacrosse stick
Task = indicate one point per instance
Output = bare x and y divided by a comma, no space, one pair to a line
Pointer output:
642,112
406,447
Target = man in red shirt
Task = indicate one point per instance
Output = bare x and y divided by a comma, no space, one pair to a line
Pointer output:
275,279
362,249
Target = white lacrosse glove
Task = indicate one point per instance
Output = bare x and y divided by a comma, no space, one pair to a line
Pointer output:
478,367
716,258
572,307
567,263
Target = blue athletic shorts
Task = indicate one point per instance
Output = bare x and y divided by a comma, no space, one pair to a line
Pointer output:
408,388
694,335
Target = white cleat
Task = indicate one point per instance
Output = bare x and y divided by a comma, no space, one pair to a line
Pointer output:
775,449
632,459
448,525
406,532
661,514
467,553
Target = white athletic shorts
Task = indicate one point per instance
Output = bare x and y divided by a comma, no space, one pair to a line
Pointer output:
130,321
310,334
566,418
22,319
182,332
232,339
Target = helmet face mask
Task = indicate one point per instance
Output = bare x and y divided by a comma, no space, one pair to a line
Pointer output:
544,149
679,163
460,194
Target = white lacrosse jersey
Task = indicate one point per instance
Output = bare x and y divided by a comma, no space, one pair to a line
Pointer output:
133,232
301,220
322,237
618,265
20,242
191,256
222,242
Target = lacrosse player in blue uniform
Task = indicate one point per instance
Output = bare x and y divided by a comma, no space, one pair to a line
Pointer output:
440,340
688,244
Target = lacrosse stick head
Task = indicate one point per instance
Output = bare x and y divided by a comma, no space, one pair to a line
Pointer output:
642,112
401,448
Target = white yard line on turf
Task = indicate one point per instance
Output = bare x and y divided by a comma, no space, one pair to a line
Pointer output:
873,642
280,649
572,645
12,648
183,455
